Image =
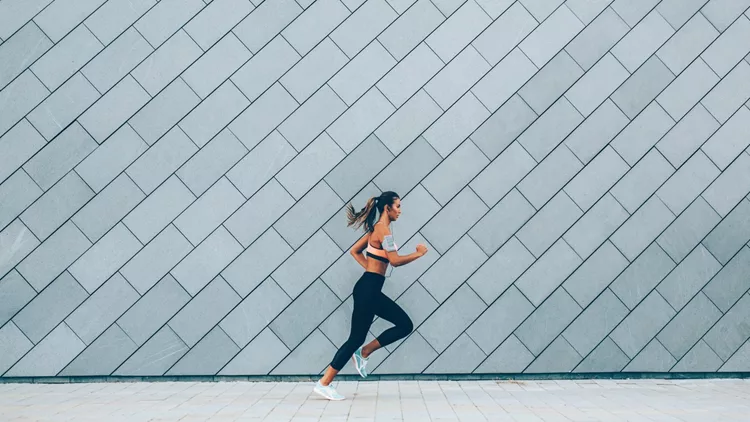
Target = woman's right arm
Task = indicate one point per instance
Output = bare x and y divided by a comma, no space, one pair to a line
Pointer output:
393,257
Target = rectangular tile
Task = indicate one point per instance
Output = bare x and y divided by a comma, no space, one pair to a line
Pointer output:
115,16
687,43
461,27
687,183
729,94
405,79
688,229
598,37
729,140
548,272
158,209
643,227
551,36
17,13
453,268
452,318
459,75
62,107
550,129
597,84
107,161
502,174
105,257
153,310
58,204
596,131
595,322
642,180
265,68
729,49
596,225
18,145
265,22
259,212
19,98
360,120
730,283
211,162
499,224
400,130
166,18
307,122
314,24
50,356
206,261
155,356
411,28
547,225
500,320
595,274
363,26
206,309
501,270
689,277
313,70
689,325
500,83
643,40
727,335
48,260
254,313
309,166
102,308
687,89
730,187
503,126
217,64
66,57
166,62
729,236
642,324
308,214
301,269
304,314
105,210
504,34
409,167
215,20
547,321
549,176
550,82
359,167
16,193
687,135
642,87
113,109
118,58
453,220
362,72
102,356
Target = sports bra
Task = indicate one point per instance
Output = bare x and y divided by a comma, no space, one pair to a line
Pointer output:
377,253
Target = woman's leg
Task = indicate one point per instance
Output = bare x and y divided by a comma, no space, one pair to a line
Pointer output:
386,308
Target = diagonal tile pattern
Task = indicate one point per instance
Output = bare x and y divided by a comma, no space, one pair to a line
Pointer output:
173,176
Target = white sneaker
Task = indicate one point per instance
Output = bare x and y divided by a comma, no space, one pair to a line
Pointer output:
327,391
360,363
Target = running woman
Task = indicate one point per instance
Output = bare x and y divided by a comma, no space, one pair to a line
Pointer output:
369,300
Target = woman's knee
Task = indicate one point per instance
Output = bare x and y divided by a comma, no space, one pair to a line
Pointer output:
407,326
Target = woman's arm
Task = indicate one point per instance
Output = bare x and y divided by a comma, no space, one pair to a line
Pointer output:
394,258
357,249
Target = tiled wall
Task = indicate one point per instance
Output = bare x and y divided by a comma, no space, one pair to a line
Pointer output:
173,175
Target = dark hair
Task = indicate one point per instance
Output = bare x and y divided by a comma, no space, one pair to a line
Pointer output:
366,216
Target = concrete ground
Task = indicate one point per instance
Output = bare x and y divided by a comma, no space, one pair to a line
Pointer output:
580,400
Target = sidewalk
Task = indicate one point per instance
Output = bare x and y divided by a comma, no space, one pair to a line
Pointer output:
595,400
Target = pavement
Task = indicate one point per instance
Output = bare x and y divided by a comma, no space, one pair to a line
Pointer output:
569,400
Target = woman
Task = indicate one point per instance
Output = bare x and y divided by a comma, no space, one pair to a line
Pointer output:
369,300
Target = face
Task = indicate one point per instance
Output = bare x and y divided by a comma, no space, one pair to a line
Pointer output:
394,211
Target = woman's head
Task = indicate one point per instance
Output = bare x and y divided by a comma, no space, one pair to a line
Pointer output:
387,203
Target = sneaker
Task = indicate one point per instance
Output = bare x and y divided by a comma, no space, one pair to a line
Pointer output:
327,391
360,362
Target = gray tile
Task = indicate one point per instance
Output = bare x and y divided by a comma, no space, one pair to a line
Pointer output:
259,357
60,156
218,18
541,9
166,62
723,13
409,167
362,72
596,225
119,57
50,307
550,82
258,261
360,120
251,173
547,321
66,57
156,356
643,40
731,331
558,357
19,98
314,24
642,228
105,257
501,270
458,76
206,309
110,20
461,27
597,84
254,313
551,36
729,94
159,162
550,176
153,310
595,274
642,87
312,356
689,325
595,323
729,188
17,146
414,355
688,229
729,236
102,308
15,15
642,133
205,214
730,283
159,116
598,37
15,293
208,356
111,158
653,358
62,107
211,162
16,194
258,213
596,131
453,268
24,47
501,222
731,46
689,87
409,75
500,83
58,204
462,355
19,241
113,109
512,26
678,12
301,269
642,181
607,357
700,359
411,28
50,356
502,174
399,131
456,171
206,261
165,18
212,115
156,259
102,356
687,135
547,225
738,360
359,167
452,318
642,275
500,320
304,314
687,183
108,207
363,26
48,260
730,140
13,345
596,178
262,71
511,356
550,129
311,118
310,73
265,22
548,272
642,324
504,126
308,214
685,45
631,11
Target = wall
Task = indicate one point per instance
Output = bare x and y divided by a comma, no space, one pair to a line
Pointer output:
173,176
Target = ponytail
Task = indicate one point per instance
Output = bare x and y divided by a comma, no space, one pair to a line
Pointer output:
366,216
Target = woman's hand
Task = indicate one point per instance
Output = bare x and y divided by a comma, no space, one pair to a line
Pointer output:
421,249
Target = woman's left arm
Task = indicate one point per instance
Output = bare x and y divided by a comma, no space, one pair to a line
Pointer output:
358,248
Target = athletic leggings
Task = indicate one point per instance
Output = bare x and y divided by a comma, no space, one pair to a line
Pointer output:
369,301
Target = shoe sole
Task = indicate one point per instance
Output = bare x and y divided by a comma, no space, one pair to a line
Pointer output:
326,397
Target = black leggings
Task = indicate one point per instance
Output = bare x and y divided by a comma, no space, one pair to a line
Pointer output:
369,301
